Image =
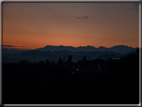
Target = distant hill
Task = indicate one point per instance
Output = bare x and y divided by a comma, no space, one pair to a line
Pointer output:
36,55
123,49
7,51
53,53
119,48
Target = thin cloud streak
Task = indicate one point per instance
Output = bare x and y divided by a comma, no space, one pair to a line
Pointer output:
83,17
8,46
12,46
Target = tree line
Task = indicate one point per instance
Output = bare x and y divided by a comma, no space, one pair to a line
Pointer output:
86,81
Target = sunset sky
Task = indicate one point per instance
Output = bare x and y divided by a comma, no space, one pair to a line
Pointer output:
35,25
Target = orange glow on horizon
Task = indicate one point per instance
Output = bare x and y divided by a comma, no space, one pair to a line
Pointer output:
17,47
36,25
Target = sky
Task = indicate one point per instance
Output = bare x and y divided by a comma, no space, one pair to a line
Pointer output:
35,25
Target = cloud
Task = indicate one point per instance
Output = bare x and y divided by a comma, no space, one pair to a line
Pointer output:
8,45
11,46
83,17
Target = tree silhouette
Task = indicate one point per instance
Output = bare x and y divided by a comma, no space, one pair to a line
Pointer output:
84,58
137,51
60,62
48,62
120,75
69,60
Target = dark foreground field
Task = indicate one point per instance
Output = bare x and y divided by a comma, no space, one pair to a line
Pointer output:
85,82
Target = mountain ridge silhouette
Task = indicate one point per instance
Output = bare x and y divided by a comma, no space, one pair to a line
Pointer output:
53,55
123,49
118,48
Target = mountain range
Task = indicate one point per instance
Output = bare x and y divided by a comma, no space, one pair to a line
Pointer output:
53,53
119,48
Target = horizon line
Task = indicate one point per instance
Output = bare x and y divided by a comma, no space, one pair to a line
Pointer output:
15,47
